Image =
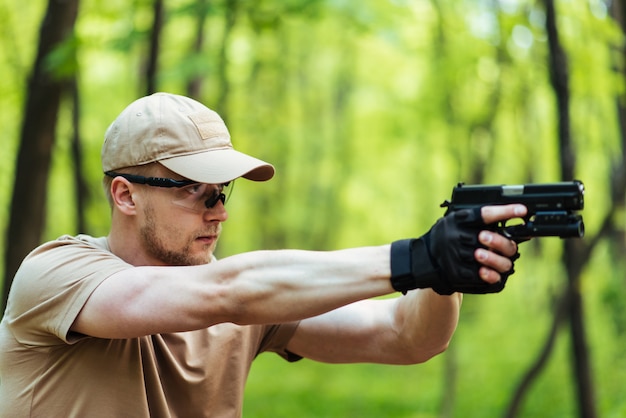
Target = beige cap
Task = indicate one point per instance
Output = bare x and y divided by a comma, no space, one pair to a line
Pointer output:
183,135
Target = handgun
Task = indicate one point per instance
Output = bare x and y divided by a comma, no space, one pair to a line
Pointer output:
551,207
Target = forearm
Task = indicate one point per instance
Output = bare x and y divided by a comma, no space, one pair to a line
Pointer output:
404,330
281,286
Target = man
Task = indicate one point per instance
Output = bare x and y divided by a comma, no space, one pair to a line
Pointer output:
145,322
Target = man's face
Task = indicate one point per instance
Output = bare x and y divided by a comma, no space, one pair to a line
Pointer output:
173,234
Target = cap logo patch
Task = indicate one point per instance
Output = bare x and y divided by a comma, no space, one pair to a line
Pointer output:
210,126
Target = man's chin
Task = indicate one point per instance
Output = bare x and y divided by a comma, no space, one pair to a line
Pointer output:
202,257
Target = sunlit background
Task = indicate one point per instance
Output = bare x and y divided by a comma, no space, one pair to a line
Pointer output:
371,112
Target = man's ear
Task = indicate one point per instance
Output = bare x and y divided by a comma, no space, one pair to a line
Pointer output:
123,195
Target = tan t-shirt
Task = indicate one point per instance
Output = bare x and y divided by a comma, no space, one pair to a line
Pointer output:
47,371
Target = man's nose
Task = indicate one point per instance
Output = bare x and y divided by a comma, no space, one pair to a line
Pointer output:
217,211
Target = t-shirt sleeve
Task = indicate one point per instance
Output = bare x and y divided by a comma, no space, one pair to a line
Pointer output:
277,337
51,287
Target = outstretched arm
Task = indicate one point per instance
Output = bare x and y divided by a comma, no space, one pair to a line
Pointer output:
252,288
404,330
260,287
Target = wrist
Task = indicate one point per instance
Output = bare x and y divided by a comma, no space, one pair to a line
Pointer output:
402,279
411,265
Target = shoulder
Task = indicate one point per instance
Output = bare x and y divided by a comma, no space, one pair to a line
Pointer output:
62,267
54,252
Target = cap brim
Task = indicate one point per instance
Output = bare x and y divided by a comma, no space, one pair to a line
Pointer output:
219,166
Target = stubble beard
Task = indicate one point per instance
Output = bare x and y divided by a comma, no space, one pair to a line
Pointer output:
157,249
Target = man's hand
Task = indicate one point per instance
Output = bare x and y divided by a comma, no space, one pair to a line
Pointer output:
499,252
461,253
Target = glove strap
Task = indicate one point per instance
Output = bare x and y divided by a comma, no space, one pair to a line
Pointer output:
411,266
402,279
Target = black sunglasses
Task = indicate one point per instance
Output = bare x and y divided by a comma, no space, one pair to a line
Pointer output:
209,203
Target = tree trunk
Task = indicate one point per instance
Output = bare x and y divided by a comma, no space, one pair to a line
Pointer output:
81,188
618,181
155,44
573,249
230,18
535,370
576,253
194,86
27,215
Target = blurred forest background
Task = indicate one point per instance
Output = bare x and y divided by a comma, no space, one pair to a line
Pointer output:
371,112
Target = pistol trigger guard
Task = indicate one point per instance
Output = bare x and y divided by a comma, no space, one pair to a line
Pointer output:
502,230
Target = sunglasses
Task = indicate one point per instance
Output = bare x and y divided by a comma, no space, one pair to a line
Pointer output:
188,194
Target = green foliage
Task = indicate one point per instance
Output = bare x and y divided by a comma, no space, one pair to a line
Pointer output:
306,389
371,112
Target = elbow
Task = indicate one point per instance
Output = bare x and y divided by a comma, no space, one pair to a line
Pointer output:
424,353
436,351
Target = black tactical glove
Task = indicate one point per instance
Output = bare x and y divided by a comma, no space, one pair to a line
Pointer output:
443,258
